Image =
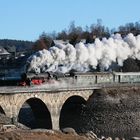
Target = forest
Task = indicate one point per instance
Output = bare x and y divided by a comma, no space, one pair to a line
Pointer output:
19,44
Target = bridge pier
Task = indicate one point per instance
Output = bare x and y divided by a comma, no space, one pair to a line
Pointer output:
55,118
55,115
14,114
14,120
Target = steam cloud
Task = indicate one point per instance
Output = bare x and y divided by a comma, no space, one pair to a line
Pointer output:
62,58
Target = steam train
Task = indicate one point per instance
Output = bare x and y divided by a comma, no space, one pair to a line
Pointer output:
88,77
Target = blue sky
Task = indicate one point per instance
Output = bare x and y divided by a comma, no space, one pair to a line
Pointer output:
27,19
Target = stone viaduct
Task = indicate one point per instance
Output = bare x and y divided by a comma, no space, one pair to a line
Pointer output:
12,100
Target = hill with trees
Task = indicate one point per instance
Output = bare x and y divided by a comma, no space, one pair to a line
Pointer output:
19,44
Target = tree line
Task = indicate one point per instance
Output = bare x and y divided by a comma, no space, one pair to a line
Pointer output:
20,45
75,34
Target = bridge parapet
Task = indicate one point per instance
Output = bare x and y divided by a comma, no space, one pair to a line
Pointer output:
56,88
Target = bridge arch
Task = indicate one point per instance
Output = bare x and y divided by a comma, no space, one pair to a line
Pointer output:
2,110
85,94
5,108
37,114
71,112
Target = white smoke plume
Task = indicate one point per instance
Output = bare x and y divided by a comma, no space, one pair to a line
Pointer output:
62,58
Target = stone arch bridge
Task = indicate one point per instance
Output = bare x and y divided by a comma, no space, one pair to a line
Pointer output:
12,100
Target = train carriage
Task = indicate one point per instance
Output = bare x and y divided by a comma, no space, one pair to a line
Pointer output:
127,77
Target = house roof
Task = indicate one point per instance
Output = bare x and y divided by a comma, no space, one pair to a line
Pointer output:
3,51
